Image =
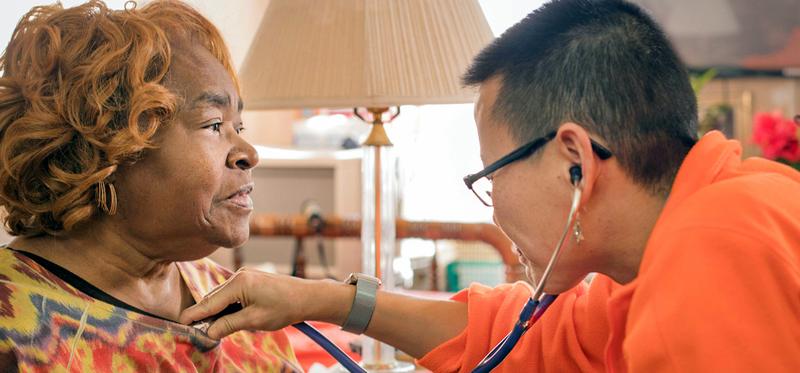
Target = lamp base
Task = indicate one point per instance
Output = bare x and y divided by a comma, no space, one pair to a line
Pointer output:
396,367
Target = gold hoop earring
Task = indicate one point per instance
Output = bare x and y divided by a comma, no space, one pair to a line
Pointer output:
578,231
107,197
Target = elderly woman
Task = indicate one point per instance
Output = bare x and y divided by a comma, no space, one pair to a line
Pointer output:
121,168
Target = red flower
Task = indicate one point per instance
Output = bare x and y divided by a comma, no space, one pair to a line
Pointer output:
777,136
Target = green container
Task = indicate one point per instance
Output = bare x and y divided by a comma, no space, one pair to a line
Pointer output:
462,273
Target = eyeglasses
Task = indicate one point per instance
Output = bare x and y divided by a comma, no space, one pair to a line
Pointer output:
481,183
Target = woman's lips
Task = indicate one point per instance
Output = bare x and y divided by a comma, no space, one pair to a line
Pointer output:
520,255
525,264
241,200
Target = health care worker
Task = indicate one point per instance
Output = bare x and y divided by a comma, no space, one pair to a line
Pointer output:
697,250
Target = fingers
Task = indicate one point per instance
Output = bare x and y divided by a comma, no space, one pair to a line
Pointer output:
213,303
245,319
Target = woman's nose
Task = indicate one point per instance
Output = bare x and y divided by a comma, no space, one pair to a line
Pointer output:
243,155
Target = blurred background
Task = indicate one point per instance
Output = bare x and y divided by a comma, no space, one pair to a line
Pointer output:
743,56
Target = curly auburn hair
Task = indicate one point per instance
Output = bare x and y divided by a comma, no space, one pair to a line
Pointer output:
81,93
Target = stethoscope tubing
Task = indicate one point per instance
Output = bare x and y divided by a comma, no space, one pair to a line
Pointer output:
536,304
531,312
334,350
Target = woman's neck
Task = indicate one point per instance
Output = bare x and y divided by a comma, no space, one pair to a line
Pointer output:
626,216
121,267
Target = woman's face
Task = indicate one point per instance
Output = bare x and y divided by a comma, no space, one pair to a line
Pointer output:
190,195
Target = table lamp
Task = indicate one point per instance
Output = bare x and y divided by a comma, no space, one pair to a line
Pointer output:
370,55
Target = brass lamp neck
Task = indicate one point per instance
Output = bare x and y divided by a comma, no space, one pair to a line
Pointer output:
377,135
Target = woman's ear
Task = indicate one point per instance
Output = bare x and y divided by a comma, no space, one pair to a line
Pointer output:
575,146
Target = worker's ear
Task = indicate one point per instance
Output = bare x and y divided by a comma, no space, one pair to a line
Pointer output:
575,147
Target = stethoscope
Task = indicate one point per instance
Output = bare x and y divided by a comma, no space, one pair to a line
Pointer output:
531,311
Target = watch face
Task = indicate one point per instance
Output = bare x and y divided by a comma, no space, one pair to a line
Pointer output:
355,277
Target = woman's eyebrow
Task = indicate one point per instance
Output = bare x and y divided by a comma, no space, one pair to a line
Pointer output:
218,99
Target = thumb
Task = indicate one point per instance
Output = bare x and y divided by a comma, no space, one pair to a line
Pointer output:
213,303
244,319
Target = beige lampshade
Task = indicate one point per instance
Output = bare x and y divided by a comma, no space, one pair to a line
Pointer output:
362,53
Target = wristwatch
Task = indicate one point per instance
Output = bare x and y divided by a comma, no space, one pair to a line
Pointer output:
363,303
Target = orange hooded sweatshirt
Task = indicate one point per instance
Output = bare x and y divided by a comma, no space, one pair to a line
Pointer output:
718,288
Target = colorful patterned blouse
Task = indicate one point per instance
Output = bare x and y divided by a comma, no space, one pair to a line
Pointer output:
47,325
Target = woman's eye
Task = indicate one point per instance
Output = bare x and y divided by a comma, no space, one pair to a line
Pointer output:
216,127
239,130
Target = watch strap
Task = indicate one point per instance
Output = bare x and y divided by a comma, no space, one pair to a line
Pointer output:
363,303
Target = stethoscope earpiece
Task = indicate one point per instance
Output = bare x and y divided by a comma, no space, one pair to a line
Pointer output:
575,174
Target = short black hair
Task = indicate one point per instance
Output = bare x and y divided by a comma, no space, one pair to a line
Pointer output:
605,65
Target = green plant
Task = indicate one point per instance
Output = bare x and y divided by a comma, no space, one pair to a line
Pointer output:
699,81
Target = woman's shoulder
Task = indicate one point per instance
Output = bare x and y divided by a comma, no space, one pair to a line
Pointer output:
203,275
19,270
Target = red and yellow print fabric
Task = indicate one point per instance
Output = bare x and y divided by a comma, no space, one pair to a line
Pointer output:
47,325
